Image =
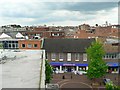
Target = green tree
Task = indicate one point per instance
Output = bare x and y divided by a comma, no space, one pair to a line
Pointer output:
1,45
97,67
111,86
48,71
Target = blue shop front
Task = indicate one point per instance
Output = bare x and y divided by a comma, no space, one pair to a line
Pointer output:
71,67
68,67
113,67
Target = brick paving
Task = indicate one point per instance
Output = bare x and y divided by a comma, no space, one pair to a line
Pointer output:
80,81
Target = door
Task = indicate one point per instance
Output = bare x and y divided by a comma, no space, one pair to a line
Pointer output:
69,69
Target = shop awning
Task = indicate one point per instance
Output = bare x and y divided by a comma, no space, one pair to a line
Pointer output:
67,64
112,64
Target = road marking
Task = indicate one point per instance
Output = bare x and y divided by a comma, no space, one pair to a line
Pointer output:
76,82
63,81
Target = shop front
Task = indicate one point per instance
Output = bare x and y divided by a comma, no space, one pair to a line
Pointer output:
61,67
113,67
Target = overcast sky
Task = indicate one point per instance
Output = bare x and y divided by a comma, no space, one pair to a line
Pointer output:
69,12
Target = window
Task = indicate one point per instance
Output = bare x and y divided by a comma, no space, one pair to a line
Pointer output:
29,45
46,56
23,45
60,34
55,34
37,34
61,56
16,45
84,57
53,56
13,45
111,56
118,56
68,56
10,45
77,56
35,45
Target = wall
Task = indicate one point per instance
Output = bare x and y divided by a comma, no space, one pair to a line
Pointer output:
32,42
65,58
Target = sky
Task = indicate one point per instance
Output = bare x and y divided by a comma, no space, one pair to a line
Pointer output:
58,13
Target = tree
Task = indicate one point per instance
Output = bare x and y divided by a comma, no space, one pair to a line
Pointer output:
111,86
1,45
48,71
97,67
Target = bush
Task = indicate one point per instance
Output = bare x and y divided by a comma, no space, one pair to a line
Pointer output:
111,86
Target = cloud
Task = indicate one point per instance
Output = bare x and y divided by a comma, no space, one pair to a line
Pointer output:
35,12
82,6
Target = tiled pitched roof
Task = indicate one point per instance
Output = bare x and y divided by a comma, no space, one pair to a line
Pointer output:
66,45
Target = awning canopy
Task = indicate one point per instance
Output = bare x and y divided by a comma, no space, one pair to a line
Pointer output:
67,64
110,64
113,64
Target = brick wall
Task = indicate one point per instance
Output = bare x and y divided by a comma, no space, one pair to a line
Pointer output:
29,44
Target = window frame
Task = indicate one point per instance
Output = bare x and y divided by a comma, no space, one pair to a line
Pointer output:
61,55
77,56
22,45
69,56
28,45
84,56
34,45
53,56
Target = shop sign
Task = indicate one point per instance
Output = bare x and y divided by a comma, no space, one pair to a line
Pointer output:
69,64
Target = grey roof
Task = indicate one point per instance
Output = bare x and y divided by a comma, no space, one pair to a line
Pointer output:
12,34
66,45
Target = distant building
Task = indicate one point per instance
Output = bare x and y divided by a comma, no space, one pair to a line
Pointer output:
99,31
43,32
84,27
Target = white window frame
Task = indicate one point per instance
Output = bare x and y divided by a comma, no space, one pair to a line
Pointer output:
61,56
29,45
69,56
84,57
53,56
111,56
77,56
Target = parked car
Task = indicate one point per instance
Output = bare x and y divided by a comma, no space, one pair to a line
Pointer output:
52,87
106,80
81,72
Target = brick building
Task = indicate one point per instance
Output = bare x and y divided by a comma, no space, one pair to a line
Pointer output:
112,57
67,55
98,31
30,44
43,32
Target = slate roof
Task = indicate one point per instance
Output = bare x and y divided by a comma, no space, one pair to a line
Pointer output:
66,45
12,34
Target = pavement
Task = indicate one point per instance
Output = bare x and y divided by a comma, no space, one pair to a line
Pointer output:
72,81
